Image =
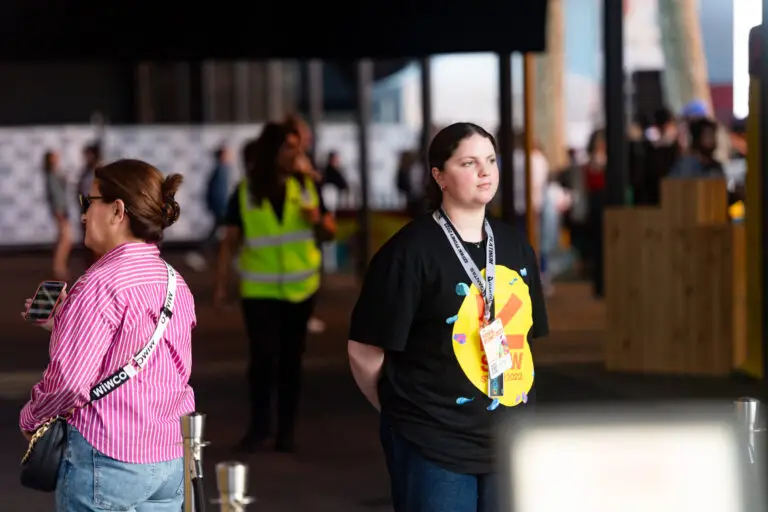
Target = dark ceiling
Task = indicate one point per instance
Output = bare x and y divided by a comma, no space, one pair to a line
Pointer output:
330,29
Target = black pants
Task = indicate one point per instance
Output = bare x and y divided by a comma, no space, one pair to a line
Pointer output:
209,243
277,333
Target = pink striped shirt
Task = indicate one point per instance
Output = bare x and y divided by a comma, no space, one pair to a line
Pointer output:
108,316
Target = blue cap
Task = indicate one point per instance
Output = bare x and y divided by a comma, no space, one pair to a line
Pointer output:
695,108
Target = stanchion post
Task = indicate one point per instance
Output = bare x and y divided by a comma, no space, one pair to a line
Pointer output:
232,484
192,430
748,414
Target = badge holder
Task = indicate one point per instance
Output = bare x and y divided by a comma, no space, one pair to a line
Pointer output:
499,361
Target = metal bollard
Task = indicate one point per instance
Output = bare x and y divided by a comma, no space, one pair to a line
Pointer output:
232,483
192,428
748,414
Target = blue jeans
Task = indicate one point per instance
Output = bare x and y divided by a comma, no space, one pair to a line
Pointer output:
419,485
89,481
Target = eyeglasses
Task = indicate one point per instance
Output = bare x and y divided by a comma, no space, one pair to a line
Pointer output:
85,202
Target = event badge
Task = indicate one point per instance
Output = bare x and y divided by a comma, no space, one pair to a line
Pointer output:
496,351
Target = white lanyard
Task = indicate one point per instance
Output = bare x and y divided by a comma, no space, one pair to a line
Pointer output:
138,361
486,286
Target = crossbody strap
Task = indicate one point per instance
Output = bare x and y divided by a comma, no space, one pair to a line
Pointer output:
138,361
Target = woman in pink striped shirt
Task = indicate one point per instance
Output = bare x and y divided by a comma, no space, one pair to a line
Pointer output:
124,444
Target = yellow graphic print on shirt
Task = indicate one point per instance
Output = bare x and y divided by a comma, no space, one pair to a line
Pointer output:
513,307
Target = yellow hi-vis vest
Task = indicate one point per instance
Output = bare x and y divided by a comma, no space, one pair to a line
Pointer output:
279,260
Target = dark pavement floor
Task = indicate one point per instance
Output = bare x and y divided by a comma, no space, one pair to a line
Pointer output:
338,465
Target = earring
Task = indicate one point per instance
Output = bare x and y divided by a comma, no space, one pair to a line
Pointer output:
442,187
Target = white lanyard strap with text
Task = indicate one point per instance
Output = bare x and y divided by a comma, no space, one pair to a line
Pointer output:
138,361
486,286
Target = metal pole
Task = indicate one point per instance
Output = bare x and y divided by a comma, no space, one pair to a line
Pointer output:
209,91
274,90
192,430
748,414
507,140
426,110
613,95
763,204
183,82
196,93
242,93
315,101
232,483
528,101
144,96
364,82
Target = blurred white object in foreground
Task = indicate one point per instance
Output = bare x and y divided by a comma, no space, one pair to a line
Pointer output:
670,457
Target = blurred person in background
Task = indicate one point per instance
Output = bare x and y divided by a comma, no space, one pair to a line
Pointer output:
539,182
556,202
539,179
691,111
92,157
332,173
57,195
124,447
216,195
696,110
700,161
333,182
575,217
334,188
594,175
409,180
660,149
300,134
301,138
274,219
736,165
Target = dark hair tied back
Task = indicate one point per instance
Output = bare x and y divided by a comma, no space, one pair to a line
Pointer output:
441,149
149,198
170,208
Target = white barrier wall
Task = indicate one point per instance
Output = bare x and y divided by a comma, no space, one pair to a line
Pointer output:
24,214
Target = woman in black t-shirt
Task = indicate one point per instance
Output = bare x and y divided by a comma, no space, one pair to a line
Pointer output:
440,338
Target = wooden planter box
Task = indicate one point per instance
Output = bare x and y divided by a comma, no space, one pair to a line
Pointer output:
675,283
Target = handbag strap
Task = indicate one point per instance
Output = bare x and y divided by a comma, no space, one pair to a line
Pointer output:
137,363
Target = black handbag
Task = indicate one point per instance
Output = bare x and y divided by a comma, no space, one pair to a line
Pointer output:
40,465
41,462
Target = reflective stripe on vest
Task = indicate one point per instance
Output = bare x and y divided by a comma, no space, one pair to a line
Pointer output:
279,259
277,278
274,240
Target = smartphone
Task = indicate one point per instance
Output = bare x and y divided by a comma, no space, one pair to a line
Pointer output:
45,300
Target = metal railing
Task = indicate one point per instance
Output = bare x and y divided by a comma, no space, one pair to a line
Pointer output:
232,483
192,430
231,477
748,413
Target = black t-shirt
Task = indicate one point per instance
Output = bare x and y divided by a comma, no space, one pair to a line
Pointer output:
234,216
414,305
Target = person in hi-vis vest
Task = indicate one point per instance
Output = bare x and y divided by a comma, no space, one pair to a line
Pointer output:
274,218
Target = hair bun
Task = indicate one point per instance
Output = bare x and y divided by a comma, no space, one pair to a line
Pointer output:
171,211
170,208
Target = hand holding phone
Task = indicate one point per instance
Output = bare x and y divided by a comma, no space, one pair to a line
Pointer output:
41,307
